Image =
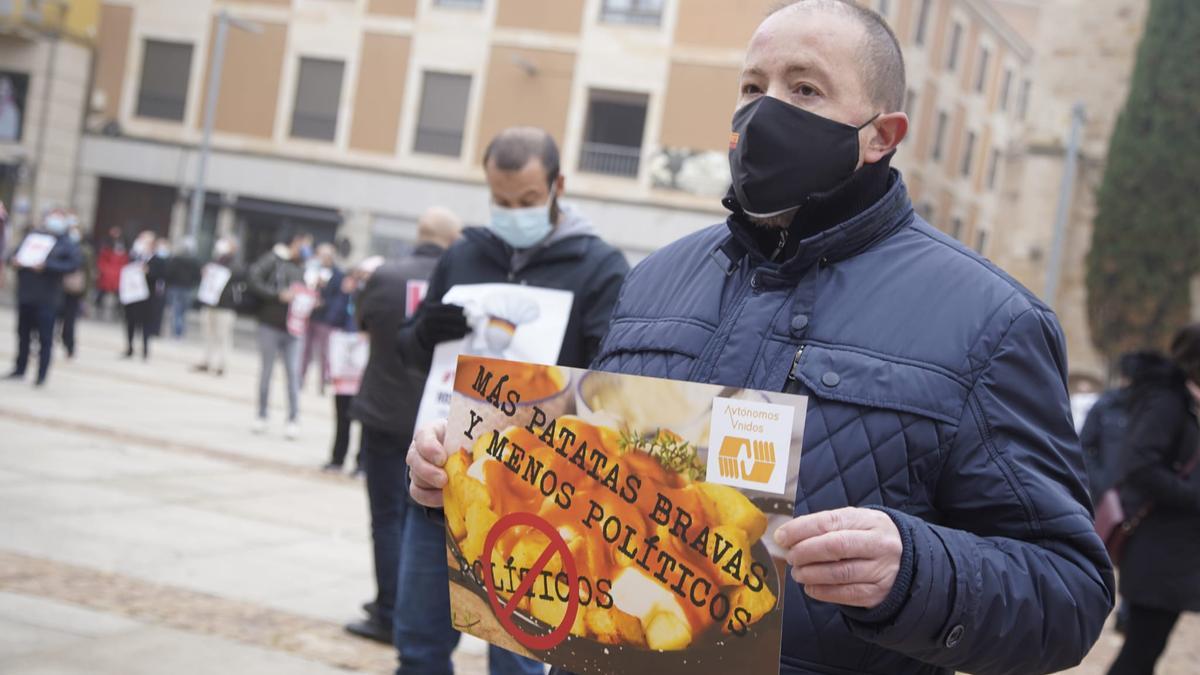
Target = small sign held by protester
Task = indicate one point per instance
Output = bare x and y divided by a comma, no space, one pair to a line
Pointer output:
212,284
34,250
304,301
133,287
348,355
611,523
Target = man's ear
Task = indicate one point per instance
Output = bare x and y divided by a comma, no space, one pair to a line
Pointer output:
560,184
883,135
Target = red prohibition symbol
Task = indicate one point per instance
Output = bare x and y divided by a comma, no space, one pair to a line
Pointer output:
504,613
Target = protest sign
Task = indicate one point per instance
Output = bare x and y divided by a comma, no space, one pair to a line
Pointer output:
609,523
348,355
212,284
507,321
132,286
34,250
304,301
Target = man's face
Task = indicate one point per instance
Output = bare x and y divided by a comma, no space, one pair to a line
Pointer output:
298,245
524,188
810,58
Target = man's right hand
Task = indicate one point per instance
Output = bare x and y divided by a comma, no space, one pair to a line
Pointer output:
438,323
287,296
425,460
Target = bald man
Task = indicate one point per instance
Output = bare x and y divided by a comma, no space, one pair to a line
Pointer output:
942,519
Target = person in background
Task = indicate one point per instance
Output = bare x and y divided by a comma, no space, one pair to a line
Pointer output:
40,295
139,315
218,322
1106,426
76,285
386,406
533,238
182,276
111,259
1085,390
271,280
3,238
339,311
1160,568
327,279
157,276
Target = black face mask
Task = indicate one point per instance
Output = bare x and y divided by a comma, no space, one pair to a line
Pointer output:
780,154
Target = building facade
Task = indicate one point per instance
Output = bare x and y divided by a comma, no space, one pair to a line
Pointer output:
349,117
45,64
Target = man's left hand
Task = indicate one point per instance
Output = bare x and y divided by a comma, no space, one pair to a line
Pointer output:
847,557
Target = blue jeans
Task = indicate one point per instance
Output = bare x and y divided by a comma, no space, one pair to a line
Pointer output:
179,300
383,460
423,633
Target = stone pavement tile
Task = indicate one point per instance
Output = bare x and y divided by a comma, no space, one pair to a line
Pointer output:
17,609
28,499
343,512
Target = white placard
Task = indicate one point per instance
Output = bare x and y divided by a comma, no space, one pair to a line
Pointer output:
34,250
348,355
133,286
304,301
508,321
212,284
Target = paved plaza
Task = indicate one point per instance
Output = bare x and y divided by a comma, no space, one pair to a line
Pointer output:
144,529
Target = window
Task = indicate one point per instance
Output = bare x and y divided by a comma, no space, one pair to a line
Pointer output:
166,67
641,12
956,228
993,169
459,4
910,104
612,142
1005,88
1023,99
939,135
968,157
981,241
955,43
318,95
985,58
922,22
443,115
884,7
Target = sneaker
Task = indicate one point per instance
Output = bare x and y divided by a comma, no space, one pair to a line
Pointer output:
202,368
332,468
291,431
260,426
15,376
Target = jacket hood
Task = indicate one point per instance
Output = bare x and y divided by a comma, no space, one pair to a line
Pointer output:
282,252
1154,369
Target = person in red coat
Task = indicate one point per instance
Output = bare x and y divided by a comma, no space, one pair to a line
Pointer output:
112,257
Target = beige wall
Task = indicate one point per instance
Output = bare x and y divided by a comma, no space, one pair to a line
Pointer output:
281,3
720,23
699,106
383,66
392,7
558,16
249,80
112,46
514,97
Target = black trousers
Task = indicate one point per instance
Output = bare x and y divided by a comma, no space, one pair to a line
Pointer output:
32,319
1146,638
69,314
341,437
137,318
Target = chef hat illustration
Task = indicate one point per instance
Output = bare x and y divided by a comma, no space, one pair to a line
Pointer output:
509,310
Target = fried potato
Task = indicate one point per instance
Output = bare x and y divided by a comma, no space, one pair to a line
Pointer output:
530,547
758,604
737,541
725,505
553,611
457,464
613,627
667,632
479,521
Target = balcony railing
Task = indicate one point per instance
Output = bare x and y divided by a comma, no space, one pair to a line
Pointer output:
612,160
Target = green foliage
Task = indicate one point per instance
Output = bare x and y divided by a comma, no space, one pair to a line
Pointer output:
1146,246
674,453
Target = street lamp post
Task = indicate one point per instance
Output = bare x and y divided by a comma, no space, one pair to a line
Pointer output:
1066,192
216,63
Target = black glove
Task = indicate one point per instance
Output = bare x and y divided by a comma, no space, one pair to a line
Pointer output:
438,323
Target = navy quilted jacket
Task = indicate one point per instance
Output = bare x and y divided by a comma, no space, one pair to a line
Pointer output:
938,393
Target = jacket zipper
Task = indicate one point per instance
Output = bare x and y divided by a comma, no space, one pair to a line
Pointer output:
795,364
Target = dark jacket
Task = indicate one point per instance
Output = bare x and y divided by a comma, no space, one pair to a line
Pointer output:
938,393
270,275
45,287
182,271
333,302
582,264
390,392
1161,566
235,285
1103,438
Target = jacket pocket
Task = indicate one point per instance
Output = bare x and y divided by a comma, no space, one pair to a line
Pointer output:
878,381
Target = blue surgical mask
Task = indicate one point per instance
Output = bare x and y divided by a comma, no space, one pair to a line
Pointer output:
306,252
521,228
56,224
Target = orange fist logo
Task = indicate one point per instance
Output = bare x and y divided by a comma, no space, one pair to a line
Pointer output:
751,461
